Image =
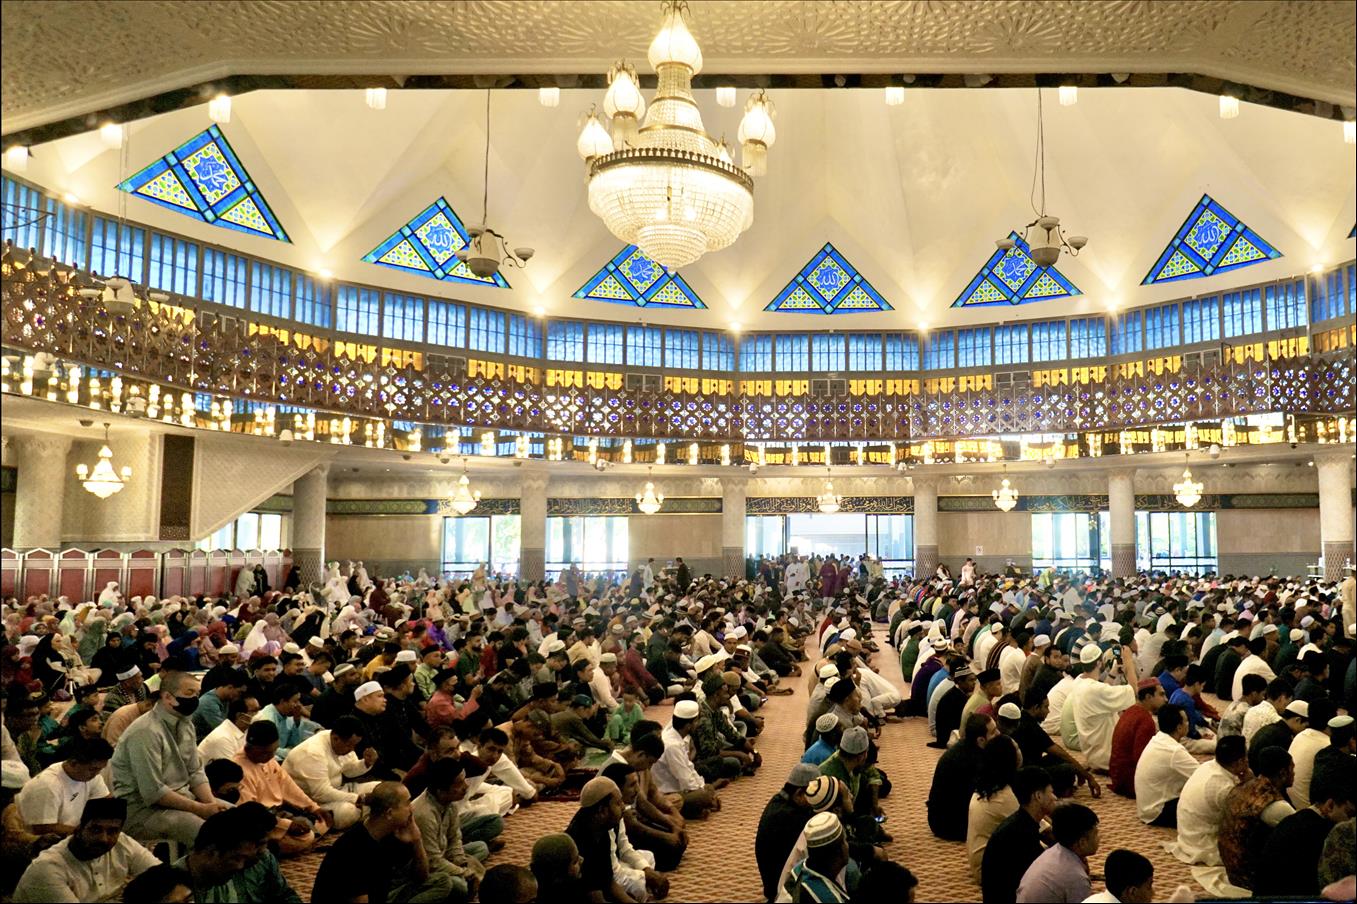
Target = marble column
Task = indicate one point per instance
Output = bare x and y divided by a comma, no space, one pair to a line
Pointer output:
733,490
532,515
1121,504
925,525
1334,467
308,523
41,491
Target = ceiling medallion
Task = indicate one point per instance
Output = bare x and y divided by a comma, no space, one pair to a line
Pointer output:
661,182
1043,235
103,481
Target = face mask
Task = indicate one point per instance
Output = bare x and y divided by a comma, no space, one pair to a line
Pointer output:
185,706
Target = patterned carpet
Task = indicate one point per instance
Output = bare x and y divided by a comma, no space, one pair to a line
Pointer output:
719,864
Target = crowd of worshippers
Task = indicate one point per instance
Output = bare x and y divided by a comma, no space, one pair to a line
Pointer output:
1221,706
183,746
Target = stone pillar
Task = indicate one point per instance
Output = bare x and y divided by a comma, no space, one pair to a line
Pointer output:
532,532
925,525
308,523
41,491
1334,467
1121,504
733,490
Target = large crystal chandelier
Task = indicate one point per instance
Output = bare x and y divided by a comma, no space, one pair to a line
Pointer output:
828,501
649,501
662,183
1187,491
464,500
1006,497
102,480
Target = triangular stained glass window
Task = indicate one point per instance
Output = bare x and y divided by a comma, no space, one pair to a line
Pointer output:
828,284
632,278
1211,240
1012,277
204,179
428,246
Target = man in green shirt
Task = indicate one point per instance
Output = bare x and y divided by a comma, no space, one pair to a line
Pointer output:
430,664
909,655
231,860
849,765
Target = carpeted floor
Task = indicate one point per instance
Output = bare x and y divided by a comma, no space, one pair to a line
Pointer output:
719,865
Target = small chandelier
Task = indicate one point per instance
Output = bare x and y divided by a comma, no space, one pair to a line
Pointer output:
464,500
488,250
102,480
656,178
1043,235
828,501
1005,498
649,501
1187,491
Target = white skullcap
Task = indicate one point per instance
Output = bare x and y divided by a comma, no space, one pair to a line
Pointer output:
828,670
686,709
407,656
228,649
1010,711
1090,654
607,657
365,689
1040,641
129,672
315,642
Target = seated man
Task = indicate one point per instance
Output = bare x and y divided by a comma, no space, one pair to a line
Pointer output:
1163,769
954,779
156,768
91,864
326,768
1060,873
1130,878
265,781
228,738
675,774
1252,810
381,858
1016,843
436,814
286,714
849,765
231,860
571,725
816,877
1202,802
654,823
52,801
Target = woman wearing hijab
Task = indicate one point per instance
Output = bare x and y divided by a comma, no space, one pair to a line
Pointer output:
108,597
48,666
245,583
308,627
186,646
92,638
109,660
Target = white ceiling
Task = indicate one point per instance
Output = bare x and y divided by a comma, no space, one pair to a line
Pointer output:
914,195
69,58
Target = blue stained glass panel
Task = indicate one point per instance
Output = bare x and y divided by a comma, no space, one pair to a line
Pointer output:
681,349
973,347
447,324
864,351
792,353
1285,305
565,340
358,310
645,346
940,351
632,278
1161,326
1211,240
828,284
1010,344
756,354
428,245
1088,337
605,343
718,352
1048,340
902,352
525,337
1201,320
487,331
21,216
1012,277
204,179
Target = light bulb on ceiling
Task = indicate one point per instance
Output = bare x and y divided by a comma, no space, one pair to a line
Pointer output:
111,134
375,98
219,109
549,96
895,95
1350,132
1069,95
16,158
1229,106
725,96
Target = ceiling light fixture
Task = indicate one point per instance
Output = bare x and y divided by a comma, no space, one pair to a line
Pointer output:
1043,235
895,95
111,134
828,501
725,96
16,158
464,500
1006,497
1187,491
1350,132
375,98
219,109
649,501
549,96
102,480
662,183
1069,95
1229,107
488,250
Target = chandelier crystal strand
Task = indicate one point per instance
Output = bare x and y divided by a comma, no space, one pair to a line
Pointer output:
103,481
667,186
828,501
464,500
1187,491
649,501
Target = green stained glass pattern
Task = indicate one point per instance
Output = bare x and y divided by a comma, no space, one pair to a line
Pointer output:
211,173
246,214
611,288
1179,265
988,293
167,188
671,294
1045,287
857,299
404,255
828,279
1241,252
800,300
1014,269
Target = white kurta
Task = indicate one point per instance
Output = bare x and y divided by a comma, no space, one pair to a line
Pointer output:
58,875
1161,772
1095,707
1200,808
